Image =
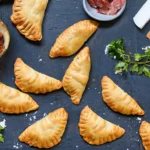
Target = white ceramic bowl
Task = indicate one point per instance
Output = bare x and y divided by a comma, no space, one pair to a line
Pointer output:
101,17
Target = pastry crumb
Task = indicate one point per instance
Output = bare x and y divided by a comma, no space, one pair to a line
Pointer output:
145,48
139,119
106,49
17,146
93,80
32,118
35,113
3,123
40,60
77,146
44,114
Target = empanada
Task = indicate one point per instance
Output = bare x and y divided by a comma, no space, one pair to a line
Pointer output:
145,134
29,80
28,17
95,130
77,75
47,132
73,38
13,101
118,100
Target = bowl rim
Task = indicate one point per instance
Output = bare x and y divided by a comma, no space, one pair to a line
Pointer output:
113,17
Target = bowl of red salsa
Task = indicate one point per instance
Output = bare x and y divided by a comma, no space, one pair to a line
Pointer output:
104,10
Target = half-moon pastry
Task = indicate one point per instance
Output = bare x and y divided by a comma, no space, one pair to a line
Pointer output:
77,75
73,38
145,134
13,101
118,100
29,80
28,17
47,132
95,130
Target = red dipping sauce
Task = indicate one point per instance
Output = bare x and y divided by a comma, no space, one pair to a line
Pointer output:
1,43
107,7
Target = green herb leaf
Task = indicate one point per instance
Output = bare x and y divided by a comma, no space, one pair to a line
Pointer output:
111,54
134,68
147,53
140,71
139,63
138,57
146,71
116,49
120,64
125,68
1,138
1,128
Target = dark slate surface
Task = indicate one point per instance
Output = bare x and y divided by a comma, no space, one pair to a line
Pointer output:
59,15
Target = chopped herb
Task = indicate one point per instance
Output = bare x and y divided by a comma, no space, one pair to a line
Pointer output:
1,136
137,63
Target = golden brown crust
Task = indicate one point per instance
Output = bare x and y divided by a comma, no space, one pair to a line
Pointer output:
145,134
13,101
47,132
28,17
77,75
29,80
95,130
73,38
118,100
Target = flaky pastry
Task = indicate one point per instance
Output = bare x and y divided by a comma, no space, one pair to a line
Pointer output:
118,100
77,75
29,80
28,17
145,134
95,130
13,101
73,38
47,132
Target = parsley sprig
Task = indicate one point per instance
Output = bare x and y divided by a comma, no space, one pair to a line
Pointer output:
139,63
1,136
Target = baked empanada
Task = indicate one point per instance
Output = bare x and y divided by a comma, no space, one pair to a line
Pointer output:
95,130
29,80
145,134
28,17
73,38
13,101
118,100
47,132
77,75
